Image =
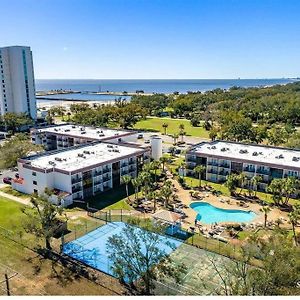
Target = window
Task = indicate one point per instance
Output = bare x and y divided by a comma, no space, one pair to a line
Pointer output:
33,173
35,191
34,182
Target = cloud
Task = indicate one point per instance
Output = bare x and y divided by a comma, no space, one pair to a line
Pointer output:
65,48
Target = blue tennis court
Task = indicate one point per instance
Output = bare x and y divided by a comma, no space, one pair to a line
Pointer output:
91,248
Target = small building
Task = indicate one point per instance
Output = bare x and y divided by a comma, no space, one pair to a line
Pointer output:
80,172
222,158
170,219
67,135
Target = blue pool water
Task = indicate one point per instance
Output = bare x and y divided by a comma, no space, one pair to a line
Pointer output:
210,214
91,248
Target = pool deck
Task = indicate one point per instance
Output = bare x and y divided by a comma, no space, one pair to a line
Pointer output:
227,203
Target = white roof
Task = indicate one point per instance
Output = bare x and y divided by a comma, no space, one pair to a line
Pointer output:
88,132
80,157
257,154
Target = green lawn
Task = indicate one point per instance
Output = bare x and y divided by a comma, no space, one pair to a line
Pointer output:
155,124
112,199
36,275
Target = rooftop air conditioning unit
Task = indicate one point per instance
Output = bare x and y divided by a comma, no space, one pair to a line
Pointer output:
83,132
73,126
254,153
58,159
80,154
213,147
223,149
86,152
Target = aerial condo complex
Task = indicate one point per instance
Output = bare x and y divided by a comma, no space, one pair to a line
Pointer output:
222,158
150,187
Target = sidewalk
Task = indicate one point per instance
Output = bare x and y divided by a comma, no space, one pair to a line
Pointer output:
14,198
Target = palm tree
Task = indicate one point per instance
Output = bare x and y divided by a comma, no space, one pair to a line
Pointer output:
145,178
199,170
166,193
175,138
242,180
181,131
276,189
294,218
163,160
289,188
136,182
152,196
231,183
155,167
165,126
182,166
126,180
255,181
265,210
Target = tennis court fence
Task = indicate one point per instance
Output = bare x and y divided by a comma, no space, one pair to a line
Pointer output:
190,238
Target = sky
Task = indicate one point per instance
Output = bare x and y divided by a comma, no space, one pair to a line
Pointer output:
156,39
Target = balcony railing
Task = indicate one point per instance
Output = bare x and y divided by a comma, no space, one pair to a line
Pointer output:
97,173
77,179
77,189
106,170
131,162
251,170
106,178
227,166
212,171
98,182
262,171
211,163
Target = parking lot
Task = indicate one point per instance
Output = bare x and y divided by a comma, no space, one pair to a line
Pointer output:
168,140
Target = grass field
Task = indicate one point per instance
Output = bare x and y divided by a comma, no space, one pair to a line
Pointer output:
155,124
112,199
35,275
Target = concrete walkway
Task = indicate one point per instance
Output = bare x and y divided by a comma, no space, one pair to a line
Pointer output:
14,198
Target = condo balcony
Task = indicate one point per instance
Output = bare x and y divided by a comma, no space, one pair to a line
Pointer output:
106,178
131,162
97,173
212,171
98,182
211,163
224,165
77,189
249,169
132,169
76,180
262,171
106,170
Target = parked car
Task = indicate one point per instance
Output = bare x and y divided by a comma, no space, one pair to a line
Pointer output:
140,136
147,141
17,175
7,180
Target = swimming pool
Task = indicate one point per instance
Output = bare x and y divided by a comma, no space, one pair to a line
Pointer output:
91,248
210,214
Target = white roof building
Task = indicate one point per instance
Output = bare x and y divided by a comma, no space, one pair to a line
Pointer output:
257,154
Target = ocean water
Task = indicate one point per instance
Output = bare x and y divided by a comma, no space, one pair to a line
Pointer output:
153,86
